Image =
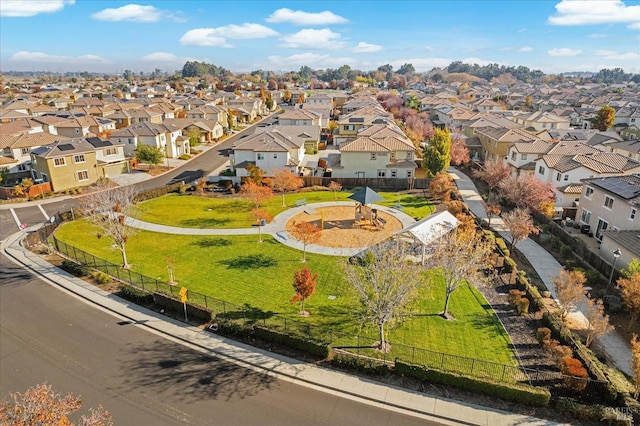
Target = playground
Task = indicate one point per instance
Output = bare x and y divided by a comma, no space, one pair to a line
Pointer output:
348,226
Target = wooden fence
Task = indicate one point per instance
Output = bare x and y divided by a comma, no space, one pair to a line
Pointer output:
376,183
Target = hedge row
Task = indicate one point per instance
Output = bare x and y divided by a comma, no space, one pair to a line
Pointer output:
509,391
593,412
171,304
314,348
532,292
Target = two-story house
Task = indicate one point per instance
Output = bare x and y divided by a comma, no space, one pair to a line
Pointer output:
612,203
541,120
351,124
301,117
18,148
496,141
77,162
163,136
269,150
380,151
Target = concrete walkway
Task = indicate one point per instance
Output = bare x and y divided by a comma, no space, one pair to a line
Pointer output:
277,228
428,407
547,268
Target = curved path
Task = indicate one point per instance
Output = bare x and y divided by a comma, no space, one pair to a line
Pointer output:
277,228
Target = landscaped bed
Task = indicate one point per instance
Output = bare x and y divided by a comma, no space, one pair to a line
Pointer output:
244,272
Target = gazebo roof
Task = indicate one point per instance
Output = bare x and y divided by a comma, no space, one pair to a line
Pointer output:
366,196
431,227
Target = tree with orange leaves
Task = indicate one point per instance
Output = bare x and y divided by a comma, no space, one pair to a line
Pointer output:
304,283
285,180
41,405
307,233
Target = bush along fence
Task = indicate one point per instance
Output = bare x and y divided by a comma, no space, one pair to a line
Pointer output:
231,319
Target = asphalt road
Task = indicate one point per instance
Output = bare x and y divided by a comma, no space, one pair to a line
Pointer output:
49,336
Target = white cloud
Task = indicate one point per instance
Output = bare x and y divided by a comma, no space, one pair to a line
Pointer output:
582,12
134,13
363,47
429,48
160,57
617,56
479,61
217,37
564,52
21,8
298,17
203,37
422,64
313,60
597,36
314,39
47,58
525,49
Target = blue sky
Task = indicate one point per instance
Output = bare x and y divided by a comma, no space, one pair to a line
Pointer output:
110,36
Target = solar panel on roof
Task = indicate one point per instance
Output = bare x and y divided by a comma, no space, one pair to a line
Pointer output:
66,147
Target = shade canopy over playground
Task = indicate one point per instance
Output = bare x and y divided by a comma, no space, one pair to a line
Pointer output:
428,230
366,196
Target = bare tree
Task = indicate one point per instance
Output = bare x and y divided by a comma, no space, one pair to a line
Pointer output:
527,192
520,224
494,172
492,210
597,321
335,187
459,257
569,290
386,283
307,233
107,208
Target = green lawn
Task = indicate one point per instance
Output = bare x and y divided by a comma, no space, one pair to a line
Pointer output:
201,212
242,271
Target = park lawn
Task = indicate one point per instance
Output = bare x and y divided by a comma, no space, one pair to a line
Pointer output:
203,212
239,270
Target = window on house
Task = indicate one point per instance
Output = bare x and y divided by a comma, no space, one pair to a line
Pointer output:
541,170
565,178
409,155
22,167
78,158
260,156
632,215
24,151
77,130
58,162
374,156
111,151
130,141
524,157
409,174
82,175
608,202
558,176
585,217
394,173
275,155
392,155
382,173
588,192
513,155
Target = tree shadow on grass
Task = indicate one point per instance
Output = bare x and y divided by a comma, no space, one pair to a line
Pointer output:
235,206
253,261
212,242
201,222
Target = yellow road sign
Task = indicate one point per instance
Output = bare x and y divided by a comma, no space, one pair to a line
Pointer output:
183,294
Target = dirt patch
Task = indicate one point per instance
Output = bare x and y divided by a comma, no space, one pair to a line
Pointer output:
341,229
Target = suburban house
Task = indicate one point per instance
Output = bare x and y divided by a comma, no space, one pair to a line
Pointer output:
208,131
570,169
628,148
164,136
610,203
309,135
301,117
630,133
496,141
540,120
351,124
18,148
380,151
77,162
269,150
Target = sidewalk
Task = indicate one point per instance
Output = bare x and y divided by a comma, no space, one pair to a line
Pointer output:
428,407
547,268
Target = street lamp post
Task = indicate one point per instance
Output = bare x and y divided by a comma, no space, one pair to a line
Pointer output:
616,255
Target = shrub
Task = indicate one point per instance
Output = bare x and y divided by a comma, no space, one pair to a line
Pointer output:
183,188
135,294
501,245
489,236
509,391
566,251
543,334
576,375
184,157
613,303
514,296
523,306
74,268
592,276
509,264
594,412
558,352
358,364
101,277
556,243
309,346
